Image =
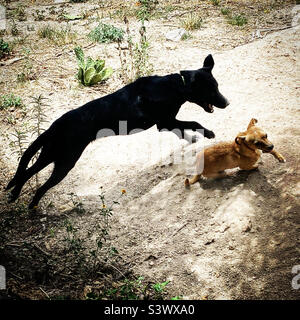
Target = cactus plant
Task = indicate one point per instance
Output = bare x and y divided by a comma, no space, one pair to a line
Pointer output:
91,71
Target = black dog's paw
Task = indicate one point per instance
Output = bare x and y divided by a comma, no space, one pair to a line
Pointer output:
209,134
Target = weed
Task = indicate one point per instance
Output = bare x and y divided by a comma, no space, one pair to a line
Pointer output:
159,289
225,11
238,20
57,36
4,48
9,101
192,22
106,33
145,7
18,142
14,29
215,2
78,205
18,13
186,36
135,57
26,73
39,15
74,243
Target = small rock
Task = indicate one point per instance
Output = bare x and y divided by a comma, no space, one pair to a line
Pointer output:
175,35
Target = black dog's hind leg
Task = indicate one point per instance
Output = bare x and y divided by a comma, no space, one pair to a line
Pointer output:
61,169
40,164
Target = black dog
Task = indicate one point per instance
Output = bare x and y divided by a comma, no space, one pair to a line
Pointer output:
146,102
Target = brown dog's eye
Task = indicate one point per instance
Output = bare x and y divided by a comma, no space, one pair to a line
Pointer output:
265,137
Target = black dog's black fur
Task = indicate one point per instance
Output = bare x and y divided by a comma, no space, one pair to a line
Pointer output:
146,102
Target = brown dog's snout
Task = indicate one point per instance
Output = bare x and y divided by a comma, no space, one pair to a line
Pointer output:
270,147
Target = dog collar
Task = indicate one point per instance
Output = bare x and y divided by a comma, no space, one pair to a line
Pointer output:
182,77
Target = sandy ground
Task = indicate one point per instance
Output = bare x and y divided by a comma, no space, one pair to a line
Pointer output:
235,238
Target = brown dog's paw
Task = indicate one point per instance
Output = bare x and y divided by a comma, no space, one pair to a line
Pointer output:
281,159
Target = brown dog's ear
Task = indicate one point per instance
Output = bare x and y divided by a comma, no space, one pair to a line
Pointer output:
252,123
238,139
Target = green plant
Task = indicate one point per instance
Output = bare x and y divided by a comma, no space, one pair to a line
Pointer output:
238,20
78,205
18,142
27,66
186,36
103,237
145,7
91,71
57,36
4,48
10,100
106,33
159,288
215,2
225,11
18,13
39,15
192,22
135,61
74,243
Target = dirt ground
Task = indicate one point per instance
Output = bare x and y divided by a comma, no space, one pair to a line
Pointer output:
234,238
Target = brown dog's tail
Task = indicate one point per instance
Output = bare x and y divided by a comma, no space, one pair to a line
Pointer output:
188,182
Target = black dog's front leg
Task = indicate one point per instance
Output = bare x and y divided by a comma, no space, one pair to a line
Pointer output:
178,127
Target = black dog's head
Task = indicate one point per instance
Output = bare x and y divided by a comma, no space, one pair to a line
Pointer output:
202,87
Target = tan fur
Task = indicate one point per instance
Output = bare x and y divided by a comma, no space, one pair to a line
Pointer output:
243,152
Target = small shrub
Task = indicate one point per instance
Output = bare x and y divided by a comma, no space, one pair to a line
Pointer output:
145,7
225,11
4,48
106,33
10,100
91,71
193,22
238,20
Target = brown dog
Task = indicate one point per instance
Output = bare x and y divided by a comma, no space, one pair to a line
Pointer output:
243,152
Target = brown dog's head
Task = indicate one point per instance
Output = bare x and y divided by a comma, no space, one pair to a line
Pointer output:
255,138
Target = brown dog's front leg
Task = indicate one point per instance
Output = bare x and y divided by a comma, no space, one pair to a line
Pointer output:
278,156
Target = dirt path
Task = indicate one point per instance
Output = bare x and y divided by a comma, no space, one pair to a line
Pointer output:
235,238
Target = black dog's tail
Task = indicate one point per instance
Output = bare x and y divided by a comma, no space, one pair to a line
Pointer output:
26,157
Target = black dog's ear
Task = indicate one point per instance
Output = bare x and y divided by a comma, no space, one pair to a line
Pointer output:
209,62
